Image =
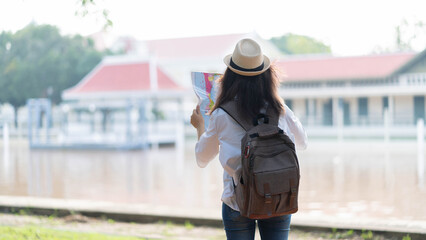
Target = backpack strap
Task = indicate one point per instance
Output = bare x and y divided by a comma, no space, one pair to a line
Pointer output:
231,109
273,116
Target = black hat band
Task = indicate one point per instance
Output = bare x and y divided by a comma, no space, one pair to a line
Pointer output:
232,64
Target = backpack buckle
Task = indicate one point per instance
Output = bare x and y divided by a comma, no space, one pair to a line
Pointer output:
260,116
267,189
268,198
293,191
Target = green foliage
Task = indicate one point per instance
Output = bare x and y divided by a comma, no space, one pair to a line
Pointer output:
298,44
189,225
336,234
89,7
410,33
407,237
23,212
49,234
349,233
367,235
54,215
38,62
169,226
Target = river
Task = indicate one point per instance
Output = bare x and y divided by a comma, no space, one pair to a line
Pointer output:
368,179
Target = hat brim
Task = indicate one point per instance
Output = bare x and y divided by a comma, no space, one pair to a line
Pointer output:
266,65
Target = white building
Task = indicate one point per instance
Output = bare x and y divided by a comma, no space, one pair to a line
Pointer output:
352,92
126,102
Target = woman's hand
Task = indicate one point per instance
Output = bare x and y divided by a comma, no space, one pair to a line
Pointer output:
197,121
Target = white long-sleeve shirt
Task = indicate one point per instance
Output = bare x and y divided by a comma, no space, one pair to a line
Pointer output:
225,134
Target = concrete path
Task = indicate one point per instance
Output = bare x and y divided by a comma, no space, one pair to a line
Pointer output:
144,213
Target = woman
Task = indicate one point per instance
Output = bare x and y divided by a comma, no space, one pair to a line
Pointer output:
252,82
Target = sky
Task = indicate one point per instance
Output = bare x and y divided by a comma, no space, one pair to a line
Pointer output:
350,27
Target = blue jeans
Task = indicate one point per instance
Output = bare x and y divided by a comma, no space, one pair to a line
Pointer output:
242,228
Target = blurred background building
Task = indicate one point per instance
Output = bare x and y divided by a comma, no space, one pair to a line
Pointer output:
134,99
360,94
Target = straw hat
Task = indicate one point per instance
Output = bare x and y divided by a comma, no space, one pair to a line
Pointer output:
247,59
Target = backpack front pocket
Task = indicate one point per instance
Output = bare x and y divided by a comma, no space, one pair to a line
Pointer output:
276,191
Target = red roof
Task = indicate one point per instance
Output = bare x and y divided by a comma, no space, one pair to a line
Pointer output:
193,47
122,77
333,68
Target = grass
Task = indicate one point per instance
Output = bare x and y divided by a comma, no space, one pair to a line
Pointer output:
189,225
335,233
161,229
406,237
35,233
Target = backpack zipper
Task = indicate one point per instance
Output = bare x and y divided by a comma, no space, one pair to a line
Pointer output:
247,155
251,163
272,154
247,150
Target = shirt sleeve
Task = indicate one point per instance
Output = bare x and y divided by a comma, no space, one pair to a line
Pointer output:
207,146
296,128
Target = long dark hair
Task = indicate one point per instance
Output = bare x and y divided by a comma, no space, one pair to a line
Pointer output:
250,92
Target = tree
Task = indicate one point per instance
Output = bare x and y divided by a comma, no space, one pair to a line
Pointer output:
298,44
88,7
410,35
38,62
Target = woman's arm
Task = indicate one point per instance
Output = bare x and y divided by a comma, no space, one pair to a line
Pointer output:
207,146
197,121
295,126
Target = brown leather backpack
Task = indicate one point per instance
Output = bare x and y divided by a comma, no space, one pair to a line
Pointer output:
269,181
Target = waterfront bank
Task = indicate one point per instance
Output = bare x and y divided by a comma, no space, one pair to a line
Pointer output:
145,213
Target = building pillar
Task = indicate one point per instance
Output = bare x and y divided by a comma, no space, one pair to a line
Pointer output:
143,124
391,108
128,123
336,109
65,112
30,120
153,123
338,117
48,114
38,120
311,111
92,110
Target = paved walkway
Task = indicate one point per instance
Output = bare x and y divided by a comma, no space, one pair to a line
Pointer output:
149,213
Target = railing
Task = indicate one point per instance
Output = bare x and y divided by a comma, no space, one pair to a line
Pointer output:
371,120
409,79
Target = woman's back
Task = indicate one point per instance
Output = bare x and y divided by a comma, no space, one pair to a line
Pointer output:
226,133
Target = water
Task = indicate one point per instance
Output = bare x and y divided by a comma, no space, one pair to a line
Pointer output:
344,179
363,180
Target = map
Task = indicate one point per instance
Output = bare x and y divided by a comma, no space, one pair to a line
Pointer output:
206,89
